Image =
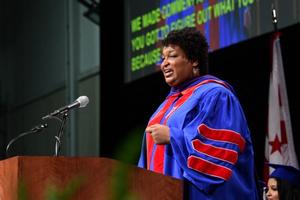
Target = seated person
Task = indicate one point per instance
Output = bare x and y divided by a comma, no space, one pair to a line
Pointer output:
283,183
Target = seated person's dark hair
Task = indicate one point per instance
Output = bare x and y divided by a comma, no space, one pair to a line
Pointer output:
287,190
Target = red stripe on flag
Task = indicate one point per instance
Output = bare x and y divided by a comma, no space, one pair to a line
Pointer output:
215,152
208,168
222,135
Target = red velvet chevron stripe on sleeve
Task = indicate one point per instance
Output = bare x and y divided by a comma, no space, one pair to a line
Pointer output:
223,154
209,168
222,135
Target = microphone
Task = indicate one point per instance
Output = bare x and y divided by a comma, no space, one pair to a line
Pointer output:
80,102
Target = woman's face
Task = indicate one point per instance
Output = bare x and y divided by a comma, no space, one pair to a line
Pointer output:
272,193
176,67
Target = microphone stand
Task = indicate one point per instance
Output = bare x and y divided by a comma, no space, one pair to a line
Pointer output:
60,132
35,129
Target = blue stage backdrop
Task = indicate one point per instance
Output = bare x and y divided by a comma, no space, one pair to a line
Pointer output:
224,23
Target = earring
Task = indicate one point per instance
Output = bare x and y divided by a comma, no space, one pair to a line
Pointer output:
195,71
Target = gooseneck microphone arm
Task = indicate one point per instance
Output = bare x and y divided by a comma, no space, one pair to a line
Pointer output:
35,129
61,114
60,133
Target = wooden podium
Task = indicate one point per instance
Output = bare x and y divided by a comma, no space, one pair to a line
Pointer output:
96,178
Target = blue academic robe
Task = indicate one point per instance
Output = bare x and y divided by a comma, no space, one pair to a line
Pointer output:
210,144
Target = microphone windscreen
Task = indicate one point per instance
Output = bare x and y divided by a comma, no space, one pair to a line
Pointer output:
83,101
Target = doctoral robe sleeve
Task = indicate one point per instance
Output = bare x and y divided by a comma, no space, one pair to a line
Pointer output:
208,143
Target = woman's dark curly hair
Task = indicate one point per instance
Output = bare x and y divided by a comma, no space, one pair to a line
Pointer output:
193,44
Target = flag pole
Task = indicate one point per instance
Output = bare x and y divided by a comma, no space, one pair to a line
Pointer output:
274,18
